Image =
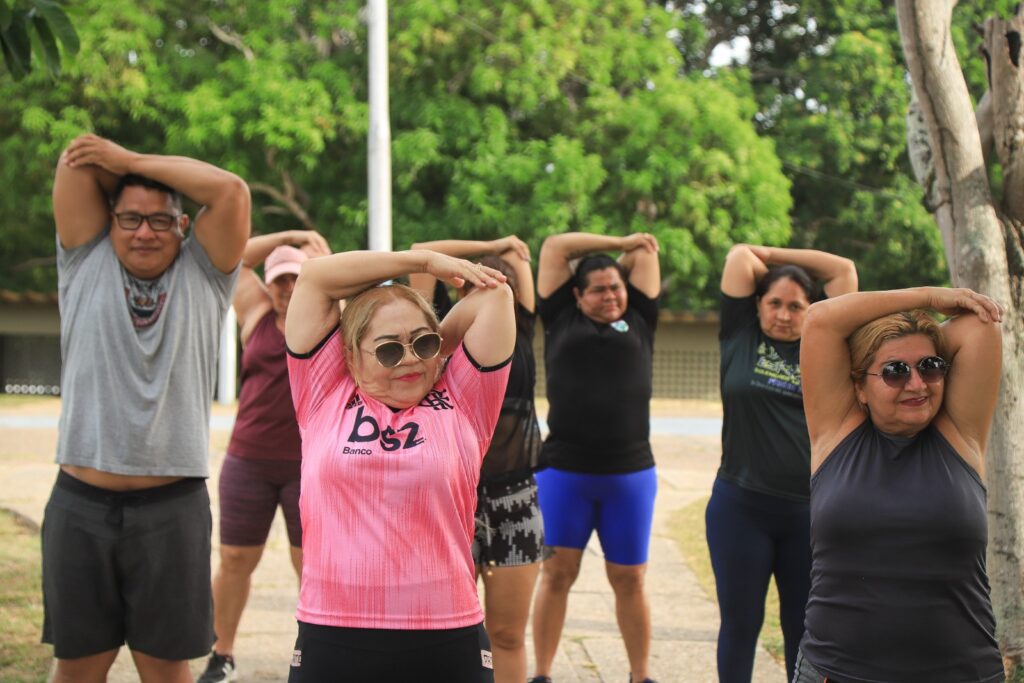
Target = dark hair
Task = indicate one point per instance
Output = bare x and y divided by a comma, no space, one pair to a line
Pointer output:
794,273
500,265
589,264
135,180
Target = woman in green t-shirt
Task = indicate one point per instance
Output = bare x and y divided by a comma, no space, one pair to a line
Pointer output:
758,523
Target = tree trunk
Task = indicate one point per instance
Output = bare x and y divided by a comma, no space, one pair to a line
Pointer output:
983,248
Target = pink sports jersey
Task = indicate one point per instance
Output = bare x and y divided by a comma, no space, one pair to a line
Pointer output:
388,497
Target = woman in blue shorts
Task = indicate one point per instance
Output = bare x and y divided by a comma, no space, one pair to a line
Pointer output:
599,323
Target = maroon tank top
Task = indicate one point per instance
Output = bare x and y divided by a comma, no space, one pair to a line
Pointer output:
265,427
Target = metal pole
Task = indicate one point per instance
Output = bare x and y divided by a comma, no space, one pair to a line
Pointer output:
379,139
228,366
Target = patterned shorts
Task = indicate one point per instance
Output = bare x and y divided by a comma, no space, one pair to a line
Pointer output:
509,528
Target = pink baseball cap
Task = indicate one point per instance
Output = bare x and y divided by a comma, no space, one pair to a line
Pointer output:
282,261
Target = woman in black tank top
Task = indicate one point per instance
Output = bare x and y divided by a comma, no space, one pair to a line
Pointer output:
898,411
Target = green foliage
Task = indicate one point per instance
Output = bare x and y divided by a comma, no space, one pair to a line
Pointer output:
829,85
33,28
892,234
828,78
531,117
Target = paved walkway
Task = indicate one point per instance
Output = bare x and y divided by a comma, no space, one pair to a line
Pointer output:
685,620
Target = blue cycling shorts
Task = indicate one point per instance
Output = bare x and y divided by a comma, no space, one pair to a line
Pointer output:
620,507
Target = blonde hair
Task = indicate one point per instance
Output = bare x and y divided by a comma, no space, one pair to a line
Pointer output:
359,310
868,338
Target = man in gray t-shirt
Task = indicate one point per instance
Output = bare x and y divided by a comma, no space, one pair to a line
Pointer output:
126,533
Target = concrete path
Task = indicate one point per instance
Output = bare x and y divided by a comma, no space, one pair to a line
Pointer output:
685,621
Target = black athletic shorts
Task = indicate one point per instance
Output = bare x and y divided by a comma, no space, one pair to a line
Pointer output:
127,567
366,655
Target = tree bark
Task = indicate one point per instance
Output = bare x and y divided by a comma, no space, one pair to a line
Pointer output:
983,250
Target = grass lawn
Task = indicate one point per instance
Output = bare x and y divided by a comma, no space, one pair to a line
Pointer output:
22,657
687,526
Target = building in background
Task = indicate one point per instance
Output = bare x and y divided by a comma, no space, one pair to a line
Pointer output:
685,350
29,343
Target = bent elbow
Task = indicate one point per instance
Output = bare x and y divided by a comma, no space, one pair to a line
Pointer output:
816,318
849,274
502,295
237,191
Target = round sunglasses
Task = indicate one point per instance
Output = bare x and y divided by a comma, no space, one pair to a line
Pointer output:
896,373
390,353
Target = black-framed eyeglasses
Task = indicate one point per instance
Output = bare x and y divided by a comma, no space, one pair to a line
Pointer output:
390,353
896,373
158,222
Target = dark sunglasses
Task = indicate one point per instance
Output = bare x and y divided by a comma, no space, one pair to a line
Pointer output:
896,373
390,353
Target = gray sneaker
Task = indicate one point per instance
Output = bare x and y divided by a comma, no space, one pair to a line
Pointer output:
219,668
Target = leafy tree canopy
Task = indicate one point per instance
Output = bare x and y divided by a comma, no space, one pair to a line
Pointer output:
828,77
533,117
34,28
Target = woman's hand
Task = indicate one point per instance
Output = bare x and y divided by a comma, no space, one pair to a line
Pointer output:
959,300
513,244
309,241
640,240
762,253
457,272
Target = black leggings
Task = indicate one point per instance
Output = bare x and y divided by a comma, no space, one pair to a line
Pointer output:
752,536
326,654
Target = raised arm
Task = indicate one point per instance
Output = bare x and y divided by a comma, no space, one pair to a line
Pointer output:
222,225
312,312
484,321
558,251
746,264
81,208
252,300
974,348
830,400
640,259
510,249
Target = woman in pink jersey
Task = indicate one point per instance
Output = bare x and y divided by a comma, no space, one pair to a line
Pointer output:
261,467
392,443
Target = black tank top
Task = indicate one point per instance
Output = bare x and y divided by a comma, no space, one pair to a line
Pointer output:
899,591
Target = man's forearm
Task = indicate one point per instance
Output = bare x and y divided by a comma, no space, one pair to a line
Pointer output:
201,182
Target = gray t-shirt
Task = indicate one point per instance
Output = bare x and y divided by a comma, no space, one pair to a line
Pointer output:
136,400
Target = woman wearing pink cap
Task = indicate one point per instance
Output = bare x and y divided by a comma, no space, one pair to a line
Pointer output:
261,467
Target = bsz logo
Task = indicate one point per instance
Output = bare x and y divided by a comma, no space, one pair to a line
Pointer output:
366,429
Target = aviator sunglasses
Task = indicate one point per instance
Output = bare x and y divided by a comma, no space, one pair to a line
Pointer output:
896,373
390,353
